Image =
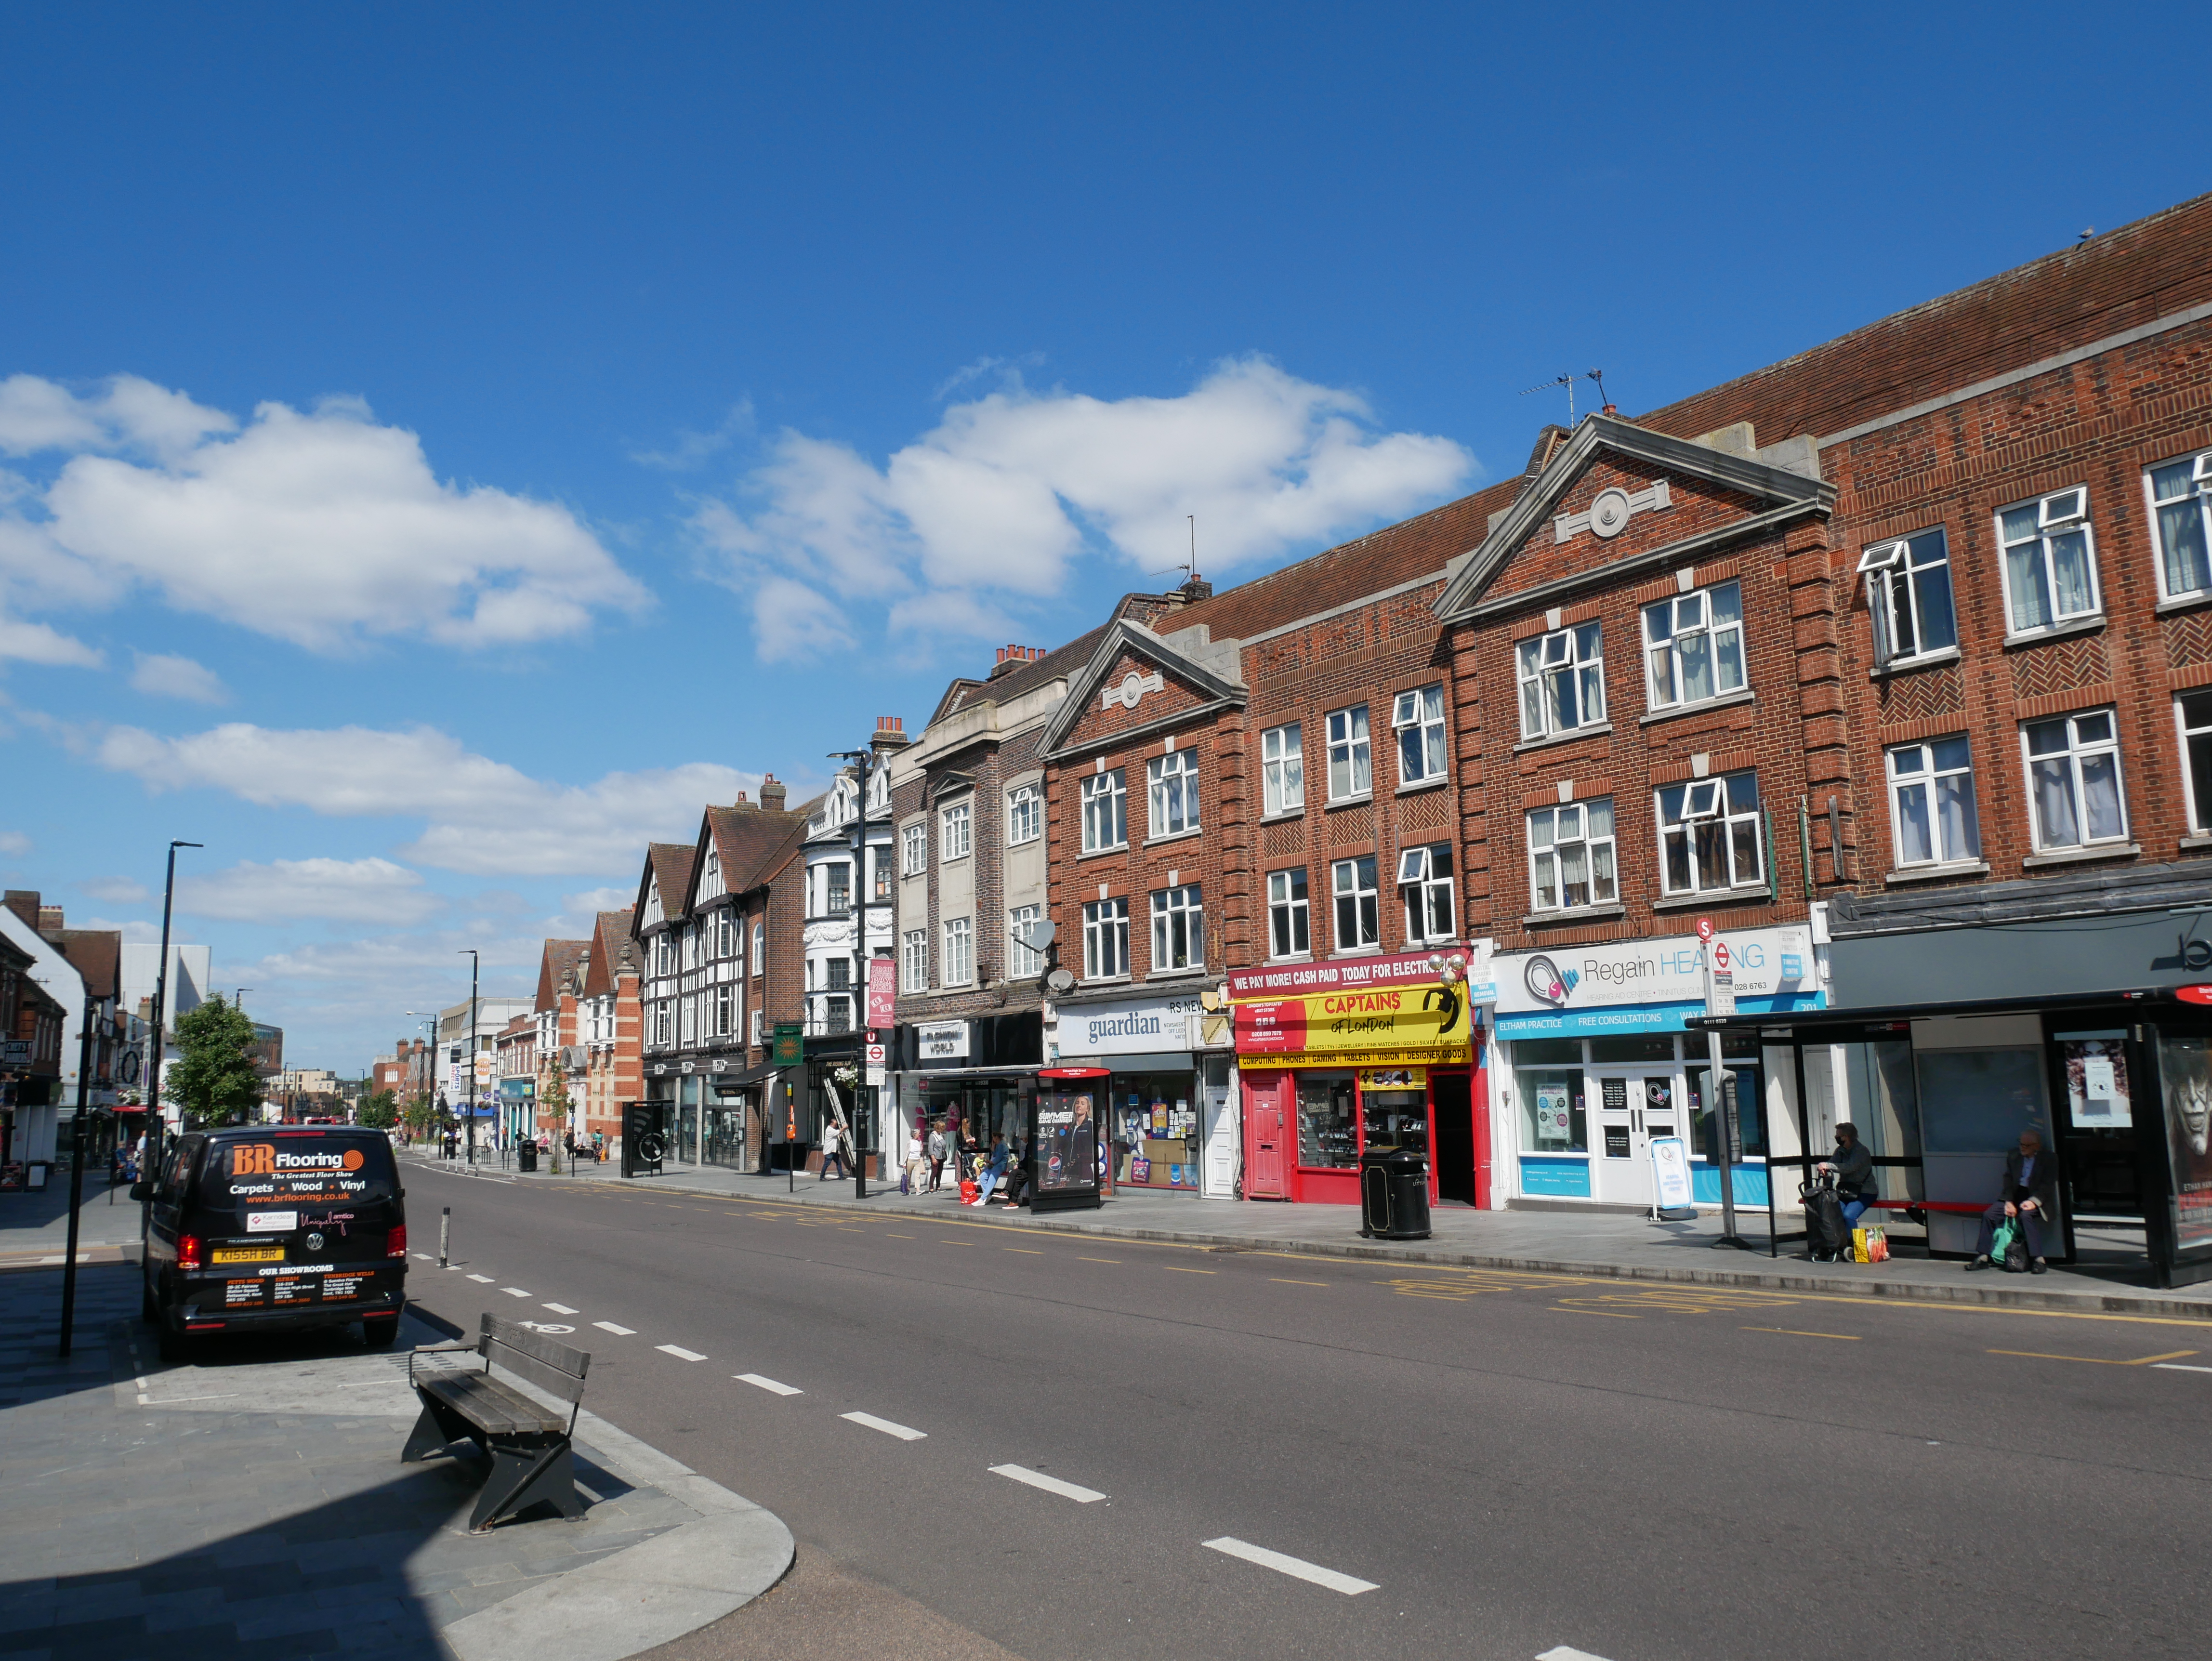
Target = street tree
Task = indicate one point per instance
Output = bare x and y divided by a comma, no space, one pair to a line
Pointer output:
554,1102
380,1109
218,1081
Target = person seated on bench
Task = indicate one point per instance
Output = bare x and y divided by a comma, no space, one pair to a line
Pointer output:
1853,1163
2030,1191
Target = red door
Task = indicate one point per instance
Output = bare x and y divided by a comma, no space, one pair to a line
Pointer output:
1263,1138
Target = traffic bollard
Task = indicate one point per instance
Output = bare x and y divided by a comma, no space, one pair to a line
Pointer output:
445,1234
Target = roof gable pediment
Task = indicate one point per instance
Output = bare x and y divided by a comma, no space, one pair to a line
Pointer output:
1137,682
1616,498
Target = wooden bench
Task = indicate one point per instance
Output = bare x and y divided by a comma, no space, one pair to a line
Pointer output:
529,1446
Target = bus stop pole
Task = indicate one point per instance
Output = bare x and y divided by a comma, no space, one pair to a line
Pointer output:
1724,1115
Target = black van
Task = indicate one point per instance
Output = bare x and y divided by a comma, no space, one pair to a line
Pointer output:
275,1227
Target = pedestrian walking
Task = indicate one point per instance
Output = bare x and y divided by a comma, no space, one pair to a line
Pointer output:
936,1158
833,1153
913,1159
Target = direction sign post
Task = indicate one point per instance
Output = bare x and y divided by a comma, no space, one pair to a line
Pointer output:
1720,1000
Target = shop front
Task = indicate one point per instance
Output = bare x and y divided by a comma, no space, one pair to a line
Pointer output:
1336,1059
1594,1066
1156,1125
973,1079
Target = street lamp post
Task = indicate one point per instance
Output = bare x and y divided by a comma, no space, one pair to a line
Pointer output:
859,905
152,1160
471,952
76,1172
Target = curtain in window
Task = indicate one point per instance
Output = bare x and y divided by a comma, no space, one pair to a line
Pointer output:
2181,536
2070,572
2053,781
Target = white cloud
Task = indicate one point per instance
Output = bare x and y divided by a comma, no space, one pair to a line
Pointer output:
691,448
34,642
320,528
179,677
139,934
612,897
1009,489
346,890
485,817
118,891
13,841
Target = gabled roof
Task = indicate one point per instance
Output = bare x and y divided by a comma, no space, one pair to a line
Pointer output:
1787,495
558,957
667,873
1212,669
746,840
97,954
611,937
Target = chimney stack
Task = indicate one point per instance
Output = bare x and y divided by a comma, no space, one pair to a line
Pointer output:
773,793
890,736
1013,657
1196,589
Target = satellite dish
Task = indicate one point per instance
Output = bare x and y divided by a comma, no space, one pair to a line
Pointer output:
1060,980
1041,935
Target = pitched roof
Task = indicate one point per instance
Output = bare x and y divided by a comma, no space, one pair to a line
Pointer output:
748,839
668,864
555,961
609,935
2154,268
95,953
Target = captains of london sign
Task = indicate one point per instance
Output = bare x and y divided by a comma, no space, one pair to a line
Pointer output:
1130,687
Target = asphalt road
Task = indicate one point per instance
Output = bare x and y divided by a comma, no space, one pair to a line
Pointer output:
1512,1463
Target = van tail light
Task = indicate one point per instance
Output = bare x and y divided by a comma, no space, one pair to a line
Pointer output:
395,1243
191,1251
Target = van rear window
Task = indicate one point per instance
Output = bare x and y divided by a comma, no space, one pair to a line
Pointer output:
288,1180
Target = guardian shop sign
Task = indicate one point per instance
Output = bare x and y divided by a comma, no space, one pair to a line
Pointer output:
1133,1028
1651,986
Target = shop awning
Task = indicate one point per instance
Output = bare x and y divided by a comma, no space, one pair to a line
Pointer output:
955,1073
1171,1060
725,1081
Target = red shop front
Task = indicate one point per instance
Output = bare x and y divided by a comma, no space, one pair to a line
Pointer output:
1337,1058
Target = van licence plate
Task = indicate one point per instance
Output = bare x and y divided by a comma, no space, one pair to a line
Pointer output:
272,1254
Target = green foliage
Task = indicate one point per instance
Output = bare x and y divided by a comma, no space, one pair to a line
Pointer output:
218,1081
379,1110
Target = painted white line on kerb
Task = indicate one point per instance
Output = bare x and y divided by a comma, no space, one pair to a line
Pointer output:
1037,1479
1284,1565
619,1332
904,1432
484,1280
2176,1367
515,1292
559,1309
1565,1652
769,1384
679,1353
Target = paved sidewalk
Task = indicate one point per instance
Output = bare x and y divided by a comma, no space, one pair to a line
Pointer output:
34,1227
1598,1244
253,1505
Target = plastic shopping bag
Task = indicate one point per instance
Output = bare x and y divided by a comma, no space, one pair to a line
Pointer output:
1859,1246
1877,1246
2002,1242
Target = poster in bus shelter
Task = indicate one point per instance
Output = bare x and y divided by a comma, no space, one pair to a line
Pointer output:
2184,1065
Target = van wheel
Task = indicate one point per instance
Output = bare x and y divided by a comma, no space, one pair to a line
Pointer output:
379,1334
176,1346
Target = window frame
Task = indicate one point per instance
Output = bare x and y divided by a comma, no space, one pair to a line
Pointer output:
1592,845
913,849
1277,800
1294,909
1419,884
1714,635
2047,525
957,967
1898,784
2074,752
1110,787
2199,812
1178,911
1535,674
1106,920
1890,576
1359,752
1171,781
1418,714
2199,463
956,845
913,961
1024,961
1711,800
1367,900
1024,808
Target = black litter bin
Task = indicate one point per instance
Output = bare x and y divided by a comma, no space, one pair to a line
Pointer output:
526,1156
1393,1195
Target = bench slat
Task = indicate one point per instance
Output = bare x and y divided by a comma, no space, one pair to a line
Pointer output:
491,1405
551,1379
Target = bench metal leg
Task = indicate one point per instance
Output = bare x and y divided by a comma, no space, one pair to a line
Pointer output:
521,1476
438,1426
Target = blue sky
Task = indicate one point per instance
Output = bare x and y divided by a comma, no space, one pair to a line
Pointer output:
440,447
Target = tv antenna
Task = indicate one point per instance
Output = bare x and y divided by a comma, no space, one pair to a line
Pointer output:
1568,380
1190,566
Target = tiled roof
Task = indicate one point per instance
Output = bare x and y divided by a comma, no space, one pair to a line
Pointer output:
670,863
749,839
2152,269
609,936
556,960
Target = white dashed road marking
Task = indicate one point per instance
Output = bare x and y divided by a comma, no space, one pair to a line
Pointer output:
515,1292
560,1309
1565,1653
2176,1367
482,1279
769,1384
620,1332
424,1257
679,1353
1292,1566
904,1432
1037,1479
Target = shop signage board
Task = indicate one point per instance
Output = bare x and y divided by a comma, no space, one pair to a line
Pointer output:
1670,1174
1376,1026
883,992
941,1041
1128,1027
1402,968
1650,985
790,1044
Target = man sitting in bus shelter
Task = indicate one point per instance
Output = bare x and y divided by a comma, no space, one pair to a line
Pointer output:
2031,1188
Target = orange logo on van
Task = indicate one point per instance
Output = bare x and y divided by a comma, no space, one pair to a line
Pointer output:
254,1160
353,1160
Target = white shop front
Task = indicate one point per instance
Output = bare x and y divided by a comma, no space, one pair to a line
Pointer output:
1170,1097
1593,1065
